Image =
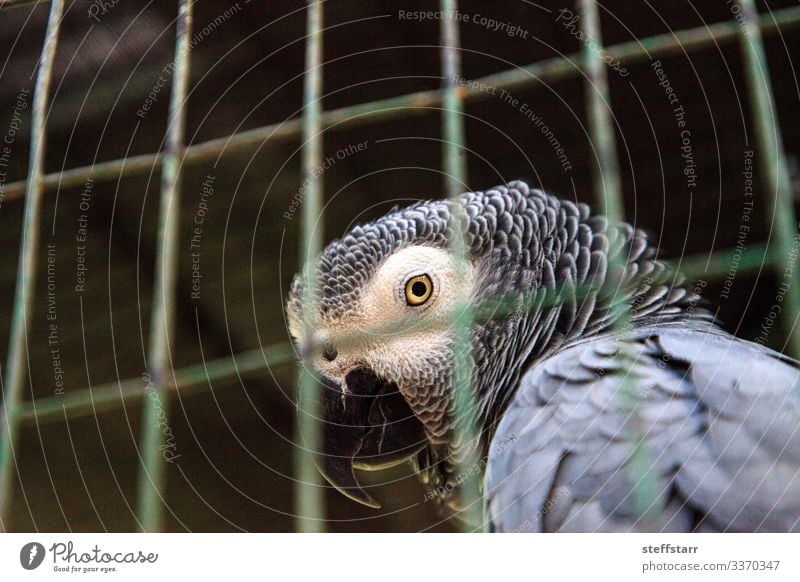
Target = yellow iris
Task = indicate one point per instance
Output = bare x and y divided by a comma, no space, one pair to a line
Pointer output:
418,290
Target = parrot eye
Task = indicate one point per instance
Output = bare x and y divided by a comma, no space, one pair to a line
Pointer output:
418,290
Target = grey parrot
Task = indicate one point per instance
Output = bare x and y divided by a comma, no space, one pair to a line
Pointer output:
605,397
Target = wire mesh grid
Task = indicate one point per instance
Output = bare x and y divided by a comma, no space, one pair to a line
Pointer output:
314,122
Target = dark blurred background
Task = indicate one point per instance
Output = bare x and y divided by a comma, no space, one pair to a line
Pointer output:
234,472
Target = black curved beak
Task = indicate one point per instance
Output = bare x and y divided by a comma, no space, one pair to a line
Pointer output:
365,424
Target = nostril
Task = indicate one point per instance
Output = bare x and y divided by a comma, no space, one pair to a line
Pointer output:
329,352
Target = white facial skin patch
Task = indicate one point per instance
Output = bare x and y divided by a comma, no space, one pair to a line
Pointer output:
383,332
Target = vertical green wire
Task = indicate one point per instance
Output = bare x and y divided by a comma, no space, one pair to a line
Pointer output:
772,160
455,165
455,175
608,189
607,183
17,368
152,474
309,493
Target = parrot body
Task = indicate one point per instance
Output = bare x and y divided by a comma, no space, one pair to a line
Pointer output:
706,440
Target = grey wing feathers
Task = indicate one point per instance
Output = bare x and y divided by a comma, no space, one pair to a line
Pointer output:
668,429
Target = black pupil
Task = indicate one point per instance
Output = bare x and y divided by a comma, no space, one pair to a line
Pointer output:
418,289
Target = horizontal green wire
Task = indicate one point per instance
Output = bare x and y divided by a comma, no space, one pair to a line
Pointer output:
402,106
200,377
194,379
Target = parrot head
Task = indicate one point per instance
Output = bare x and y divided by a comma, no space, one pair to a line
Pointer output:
381,341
